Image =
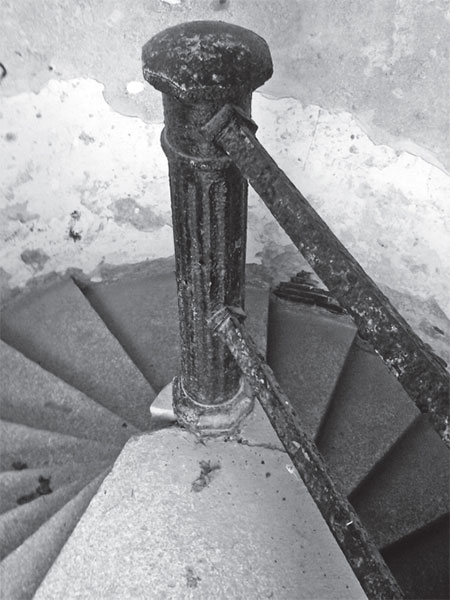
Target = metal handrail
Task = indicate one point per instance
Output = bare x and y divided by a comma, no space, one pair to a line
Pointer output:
363,556
421,373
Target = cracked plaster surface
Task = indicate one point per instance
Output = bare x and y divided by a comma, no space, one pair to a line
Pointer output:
356,114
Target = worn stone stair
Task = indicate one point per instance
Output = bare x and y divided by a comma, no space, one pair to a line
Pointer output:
58,407
22,571
57,328
382,451
364,435
70,398
305,344
79,371
18,524
19,487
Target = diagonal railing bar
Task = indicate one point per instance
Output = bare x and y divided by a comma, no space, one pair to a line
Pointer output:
419,371
361,553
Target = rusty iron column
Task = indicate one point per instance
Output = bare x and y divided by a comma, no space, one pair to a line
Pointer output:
199,67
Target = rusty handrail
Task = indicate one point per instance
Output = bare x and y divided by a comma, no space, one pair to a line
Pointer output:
421,373
360,551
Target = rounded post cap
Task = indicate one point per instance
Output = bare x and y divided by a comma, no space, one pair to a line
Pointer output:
206,61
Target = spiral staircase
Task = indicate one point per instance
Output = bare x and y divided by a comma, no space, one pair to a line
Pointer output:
81,363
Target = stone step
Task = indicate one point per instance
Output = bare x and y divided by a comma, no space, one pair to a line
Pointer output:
15,486
25,447
420,562
408,489
368,413
221,519
22,571
31,396
140,307
18,524
56,327
307,347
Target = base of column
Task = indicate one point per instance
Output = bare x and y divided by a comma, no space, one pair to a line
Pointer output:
210,419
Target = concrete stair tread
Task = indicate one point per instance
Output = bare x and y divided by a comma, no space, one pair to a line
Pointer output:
31,396
15,485
307,347
368,413
420,562
56,327
18,524
23,570
21,445
157,528
140,307
408,489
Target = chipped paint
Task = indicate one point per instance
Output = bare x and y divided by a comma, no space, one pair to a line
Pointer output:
357,118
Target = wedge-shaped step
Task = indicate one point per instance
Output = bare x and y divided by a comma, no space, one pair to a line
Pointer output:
306,348
57,328
20,487
140,307
18,524
368,413
31,396
25,447
219,520
407,490
420,562
22,571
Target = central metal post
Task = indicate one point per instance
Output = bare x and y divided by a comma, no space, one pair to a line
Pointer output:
200,67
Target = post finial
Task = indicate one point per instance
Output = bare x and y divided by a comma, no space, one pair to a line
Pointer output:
206,61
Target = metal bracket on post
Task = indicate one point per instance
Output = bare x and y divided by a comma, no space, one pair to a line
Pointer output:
200,67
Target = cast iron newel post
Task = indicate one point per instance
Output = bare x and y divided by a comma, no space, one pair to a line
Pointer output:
199,67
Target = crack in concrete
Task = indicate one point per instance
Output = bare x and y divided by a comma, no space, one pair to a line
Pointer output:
265,445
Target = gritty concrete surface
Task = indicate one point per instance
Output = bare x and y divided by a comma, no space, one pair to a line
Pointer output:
58,406
411,490
356,114
22,571
369,412
16,485
20,523
21,445
180,518
307,347
56,327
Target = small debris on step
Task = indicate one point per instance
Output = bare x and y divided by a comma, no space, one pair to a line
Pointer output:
192,580
43,489
206,474
19,465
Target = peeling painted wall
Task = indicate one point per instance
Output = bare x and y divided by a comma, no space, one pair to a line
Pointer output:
356,114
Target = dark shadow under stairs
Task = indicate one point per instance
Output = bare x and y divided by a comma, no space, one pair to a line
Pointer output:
81,363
